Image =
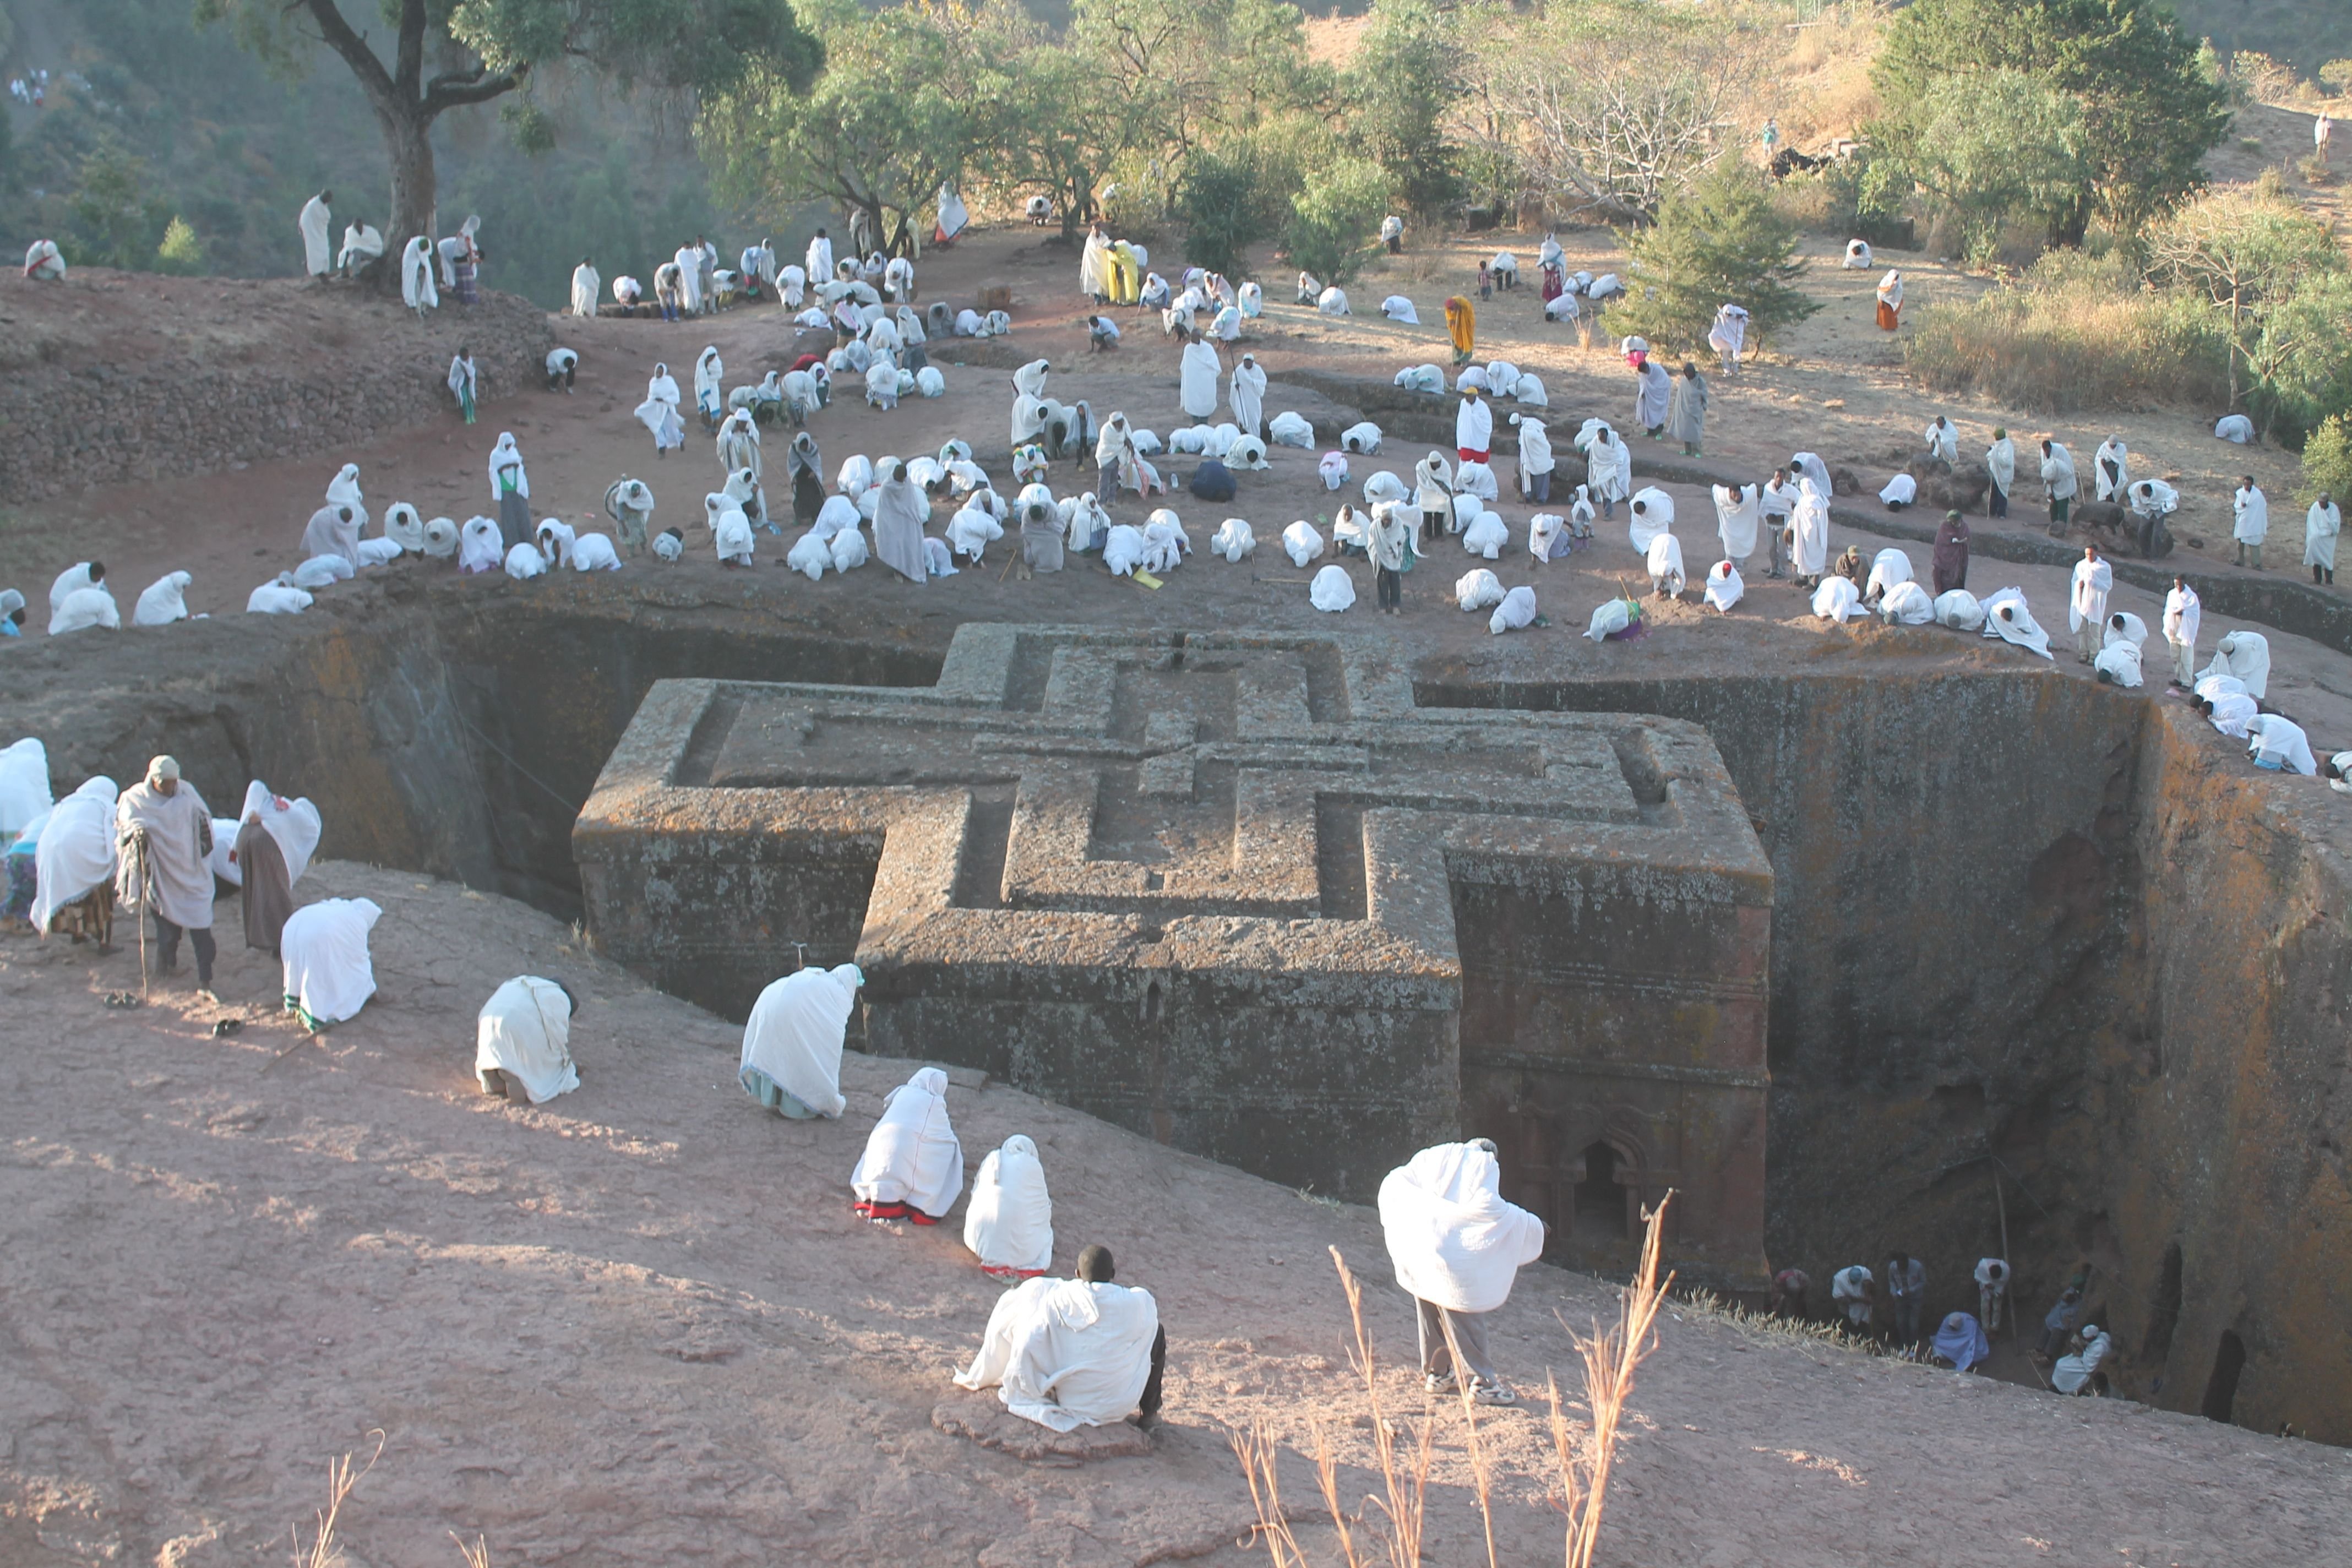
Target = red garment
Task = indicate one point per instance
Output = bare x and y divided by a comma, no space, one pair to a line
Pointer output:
1467,456
1554,285
808,362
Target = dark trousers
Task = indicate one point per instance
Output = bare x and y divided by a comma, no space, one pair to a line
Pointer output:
167,949
1538,486
1434,524
2323,574
1389,586
1996,502
1148,1406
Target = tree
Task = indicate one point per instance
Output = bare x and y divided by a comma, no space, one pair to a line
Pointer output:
1607,107
2245,252
181,252
2301,363
910,97
115,223
1401,93
1334,218
1719,241
1981,150
485,49
2149,112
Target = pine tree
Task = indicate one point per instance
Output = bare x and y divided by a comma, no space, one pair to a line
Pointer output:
1718,241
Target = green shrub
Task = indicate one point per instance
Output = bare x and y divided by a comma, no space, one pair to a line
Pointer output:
181,252
1334,218
2327,461
1720,240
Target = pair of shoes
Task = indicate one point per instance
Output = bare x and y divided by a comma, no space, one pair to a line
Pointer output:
1493,1393
1437,1381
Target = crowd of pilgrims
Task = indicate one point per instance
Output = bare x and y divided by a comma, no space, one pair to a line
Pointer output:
1087,1350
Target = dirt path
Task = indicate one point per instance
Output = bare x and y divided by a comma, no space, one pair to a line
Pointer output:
638,1325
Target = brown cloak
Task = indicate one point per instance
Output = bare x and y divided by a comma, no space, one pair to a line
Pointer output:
269,896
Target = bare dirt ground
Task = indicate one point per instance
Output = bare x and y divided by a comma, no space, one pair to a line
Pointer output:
638,1325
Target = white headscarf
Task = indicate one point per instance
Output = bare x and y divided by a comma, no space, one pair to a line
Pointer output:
502,455
1009,1224
525,1029
163,602
912,1156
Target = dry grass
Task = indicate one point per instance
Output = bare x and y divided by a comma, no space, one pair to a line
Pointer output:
2074,335
323,1552
1390,1526
477,1555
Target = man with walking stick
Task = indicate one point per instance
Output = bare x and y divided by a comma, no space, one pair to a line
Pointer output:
165,833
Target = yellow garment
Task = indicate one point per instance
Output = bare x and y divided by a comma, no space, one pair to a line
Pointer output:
1461,324
1126,277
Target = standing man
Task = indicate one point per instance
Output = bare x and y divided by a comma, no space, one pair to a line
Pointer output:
1992,1290
2058,478
820,259
2321,524
1456,1247
1474,427
1391,546
164,846
2182,610
2000,462
2251,509
1686,410
1906,1282
317,260
2086,606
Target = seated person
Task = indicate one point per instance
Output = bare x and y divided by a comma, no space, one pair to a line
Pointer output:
1068,1353
2078,1373
522,1041
912,1168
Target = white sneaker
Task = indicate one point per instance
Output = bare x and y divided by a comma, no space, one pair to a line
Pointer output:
1493,1393
1437,1381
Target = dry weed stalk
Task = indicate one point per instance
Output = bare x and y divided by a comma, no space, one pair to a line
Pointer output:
477,1555
1611,1357
323,1552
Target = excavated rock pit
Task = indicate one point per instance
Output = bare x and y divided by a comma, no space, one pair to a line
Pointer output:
2022,925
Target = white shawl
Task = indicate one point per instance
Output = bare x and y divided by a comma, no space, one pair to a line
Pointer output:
912,1156
76,849
796,1031
1066,1353
325,946
1453,1241
525,1029
1009,1224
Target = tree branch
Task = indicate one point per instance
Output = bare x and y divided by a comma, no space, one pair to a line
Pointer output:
374,80
410,67
452,91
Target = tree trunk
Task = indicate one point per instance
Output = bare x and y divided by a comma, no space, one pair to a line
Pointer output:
408,141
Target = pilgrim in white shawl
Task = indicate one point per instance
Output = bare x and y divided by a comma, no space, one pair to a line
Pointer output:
2250,510
898,512
658,413
1068,1353
2086,603
163,602
316,225
912,1167
2321,525
1009,1224
76,857
522,1040
464,381
163,841
1456,1247
329,974
793,1042
586,285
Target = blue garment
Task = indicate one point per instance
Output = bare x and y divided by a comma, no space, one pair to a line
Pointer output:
8,628
1212,482
1961,1341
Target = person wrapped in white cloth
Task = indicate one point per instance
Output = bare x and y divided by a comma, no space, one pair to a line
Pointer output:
1666,566
1068,1353
912,1167
2073,1374
76,855
164,843
1517,611
522,1041
1332,590
1724,587
2245,654
2087,605
2008,618
328,972
1456,1247
2277,743
1009,1224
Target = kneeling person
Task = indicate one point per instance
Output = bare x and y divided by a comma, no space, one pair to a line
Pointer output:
524,1040
1068,1353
